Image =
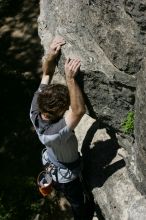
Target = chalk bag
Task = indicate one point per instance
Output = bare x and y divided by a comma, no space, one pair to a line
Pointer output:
44,182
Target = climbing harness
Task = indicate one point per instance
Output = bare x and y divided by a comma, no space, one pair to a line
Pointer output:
55,169
45,180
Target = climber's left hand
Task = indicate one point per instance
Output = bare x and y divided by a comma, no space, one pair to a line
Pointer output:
54,49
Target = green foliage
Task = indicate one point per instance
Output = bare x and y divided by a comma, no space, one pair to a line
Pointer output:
128,124
4,215
35,207
19,198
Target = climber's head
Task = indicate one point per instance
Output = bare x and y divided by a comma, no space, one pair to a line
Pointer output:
53,101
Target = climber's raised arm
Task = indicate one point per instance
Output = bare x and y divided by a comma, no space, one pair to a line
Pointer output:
48,67
49,60
77,110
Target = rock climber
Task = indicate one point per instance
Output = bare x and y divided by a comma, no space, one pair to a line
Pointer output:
55,112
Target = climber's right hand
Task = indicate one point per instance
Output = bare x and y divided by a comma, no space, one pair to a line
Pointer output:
72,67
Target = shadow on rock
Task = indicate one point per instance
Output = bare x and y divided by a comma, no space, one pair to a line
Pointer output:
97,157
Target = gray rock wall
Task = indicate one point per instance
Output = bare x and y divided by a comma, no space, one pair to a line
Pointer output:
109,38
138,167
105,38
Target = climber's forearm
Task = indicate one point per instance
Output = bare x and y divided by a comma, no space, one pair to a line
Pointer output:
45,79
48,68
49,60
76,98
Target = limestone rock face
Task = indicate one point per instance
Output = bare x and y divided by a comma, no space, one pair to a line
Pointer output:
107,174
110,39
138,166
106,39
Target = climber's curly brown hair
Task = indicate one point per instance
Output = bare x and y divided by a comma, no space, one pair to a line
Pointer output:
54,100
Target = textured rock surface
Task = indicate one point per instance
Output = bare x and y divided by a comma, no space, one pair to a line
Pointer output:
107,174
109,38
105,38
138,166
